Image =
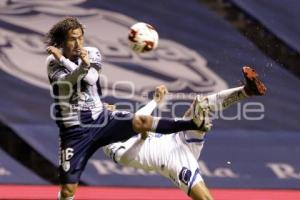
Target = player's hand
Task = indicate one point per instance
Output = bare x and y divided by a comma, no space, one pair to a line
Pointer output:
84,56
160,93
55,52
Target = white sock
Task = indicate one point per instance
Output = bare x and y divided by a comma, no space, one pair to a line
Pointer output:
226,98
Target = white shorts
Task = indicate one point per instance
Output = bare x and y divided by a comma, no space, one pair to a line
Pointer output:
183,168
174,156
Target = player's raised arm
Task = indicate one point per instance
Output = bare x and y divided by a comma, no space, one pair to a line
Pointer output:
123,155
158,97
130,153
69,71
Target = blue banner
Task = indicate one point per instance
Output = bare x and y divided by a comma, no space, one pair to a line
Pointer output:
279,17
11,172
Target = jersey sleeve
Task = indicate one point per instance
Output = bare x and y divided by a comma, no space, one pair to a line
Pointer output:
57,71
132,151
72,71
147,109
96,66
95,58
90,77
124,152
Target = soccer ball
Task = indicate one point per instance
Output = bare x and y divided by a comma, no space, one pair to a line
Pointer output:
142,37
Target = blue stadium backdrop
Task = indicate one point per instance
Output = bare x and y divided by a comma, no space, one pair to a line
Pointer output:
199,52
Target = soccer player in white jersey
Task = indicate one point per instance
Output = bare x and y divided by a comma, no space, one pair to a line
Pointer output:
84,124
175,156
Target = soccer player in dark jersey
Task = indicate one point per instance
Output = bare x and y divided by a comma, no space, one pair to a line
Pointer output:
84,123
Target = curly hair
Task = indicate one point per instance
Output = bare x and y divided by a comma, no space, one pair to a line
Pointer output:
57,35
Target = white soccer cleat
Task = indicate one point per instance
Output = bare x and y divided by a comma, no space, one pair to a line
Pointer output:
201,111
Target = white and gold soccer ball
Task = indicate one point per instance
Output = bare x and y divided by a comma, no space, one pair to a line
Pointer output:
142,37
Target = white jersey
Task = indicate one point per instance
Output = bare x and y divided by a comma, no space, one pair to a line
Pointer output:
75,88
173,156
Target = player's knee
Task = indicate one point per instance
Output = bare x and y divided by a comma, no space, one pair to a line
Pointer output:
141,123
67,190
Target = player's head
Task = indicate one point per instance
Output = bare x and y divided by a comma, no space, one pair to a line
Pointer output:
68,35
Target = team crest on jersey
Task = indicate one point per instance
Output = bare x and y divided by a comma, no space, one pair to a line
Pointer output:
185,175
66,166
126,75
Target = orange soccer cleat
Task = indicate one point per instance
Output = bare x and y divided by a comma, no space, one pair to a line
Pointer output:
253,86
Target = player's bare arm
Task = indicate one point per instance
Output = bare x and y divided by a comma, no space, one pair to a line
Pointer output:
159,95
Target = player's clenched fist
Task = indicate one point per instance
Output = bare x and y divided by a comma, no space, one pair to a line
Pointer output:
160,93
84,56
54,51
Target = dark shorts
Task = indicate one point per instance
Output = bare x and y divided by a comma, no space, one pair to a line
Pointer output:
78,143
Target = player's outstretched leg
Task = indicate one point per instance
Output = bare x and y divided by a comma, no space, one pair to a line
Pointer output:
215,102
200,192
199,121
226,98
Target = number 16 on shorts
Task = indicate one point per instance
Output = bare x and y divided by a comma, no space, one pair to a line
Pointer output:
66,155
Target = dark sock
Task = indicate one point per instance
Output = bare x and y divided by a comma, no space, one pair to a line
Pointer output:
171,125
